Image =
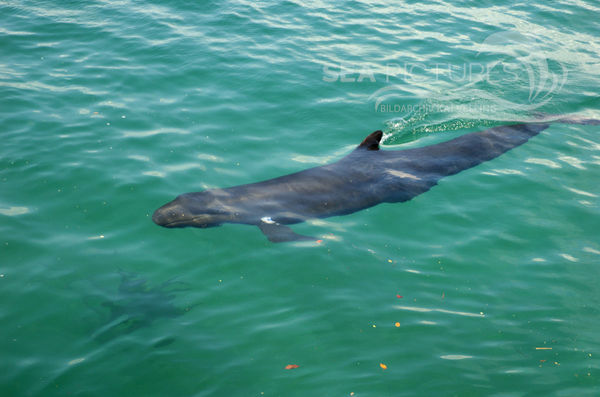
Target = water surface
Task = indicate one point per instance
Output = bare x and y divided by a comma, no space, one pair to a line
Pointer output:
109,109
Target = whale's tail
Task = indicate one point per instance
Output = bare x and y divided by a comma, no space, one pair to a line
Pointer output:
458,154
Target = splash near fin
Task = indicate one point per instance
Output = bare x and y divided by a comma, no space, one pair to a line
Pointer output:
278,233
372,141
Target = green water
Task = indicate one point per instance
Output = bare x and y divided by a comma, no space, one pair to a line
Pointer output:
109,109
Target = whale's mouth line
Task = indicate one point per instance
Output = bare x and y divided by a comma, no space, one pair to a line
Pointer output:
191,222
188,221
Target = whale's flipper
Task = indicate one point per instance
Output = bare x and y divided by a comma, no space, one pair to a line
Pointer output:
278,233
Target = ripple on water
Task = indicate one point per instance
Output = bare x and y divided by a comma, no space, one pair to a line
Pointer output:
479,270
14,211
546,162
158,131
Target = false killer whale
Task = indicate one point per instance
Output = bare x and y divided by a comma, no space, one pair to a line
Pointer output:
364,178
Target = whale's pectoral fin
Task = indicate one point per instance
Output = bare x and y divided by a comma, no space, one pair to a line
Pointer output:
278,233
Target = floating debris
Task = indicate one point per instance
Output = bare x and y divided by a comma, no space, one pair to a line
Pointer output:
291,366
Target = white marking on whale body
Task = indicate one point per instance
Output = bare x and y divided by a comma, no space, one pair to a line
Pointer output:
267,219
220,193
401,174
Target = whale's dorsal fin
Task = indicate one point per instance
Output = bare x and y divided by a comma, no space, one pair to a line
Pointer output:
372,141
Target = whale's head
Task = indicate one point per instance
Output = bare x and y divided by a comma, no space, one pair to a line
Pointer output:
192,209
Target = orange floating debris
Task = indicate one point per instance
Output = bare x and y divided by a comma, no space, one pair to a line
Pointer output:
397,324
291,366
319,241
383,366
399,296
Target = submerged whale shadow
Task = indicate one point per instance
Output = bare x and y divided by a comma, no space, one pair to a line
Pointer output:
136,305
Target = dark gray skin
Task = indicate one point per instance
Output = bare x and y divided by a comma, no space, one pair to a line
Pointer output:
364,178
